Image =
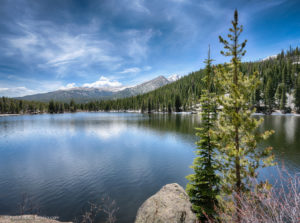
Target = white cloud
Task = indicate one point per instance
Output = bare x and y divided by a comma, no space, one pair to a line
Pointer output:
16,91
135,70
15,88
25,43
103,82
137,43
130,70
80,48
68,86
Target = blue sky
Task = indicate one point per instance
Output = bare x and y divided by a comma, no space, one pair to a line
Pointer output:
47,45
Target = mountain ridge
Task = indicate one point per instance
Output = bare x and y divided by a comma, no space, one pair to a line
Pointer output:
86,94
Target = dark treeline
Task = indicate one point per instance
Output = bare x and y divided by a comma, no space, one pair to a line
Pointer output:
279,81
15,106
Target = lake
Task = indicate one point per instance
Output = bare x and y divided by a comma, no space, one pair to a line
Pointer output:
63,161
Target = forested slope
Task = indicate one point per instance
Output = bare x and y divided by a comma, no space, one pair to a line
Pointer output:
279,89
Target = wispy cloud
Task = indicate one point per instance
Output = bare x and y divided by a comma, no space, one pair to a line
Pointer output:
13,87
137,43
16,91
135,70
138,5
67,51
130,70
62,50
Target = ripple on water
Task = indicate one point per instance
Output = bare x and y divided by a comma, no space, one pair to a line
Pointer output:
64,161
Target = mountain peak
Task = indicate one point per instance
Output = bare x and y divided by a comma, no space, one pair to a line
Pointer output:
270,57
173,77
160,77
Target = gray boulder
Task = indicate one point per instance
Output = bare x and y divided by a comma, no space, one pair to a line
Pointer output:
169,205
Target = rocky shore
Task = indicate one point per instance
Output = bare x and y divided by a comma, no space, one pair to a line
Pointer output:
28,219
170,204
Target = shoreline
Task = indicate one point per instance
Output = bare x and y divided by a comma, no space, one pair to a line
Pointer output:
275,113
4,115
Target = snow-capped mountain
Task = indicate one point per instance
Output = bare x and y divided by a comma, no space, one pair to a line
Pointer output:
270,57
173,78
85,94
145,87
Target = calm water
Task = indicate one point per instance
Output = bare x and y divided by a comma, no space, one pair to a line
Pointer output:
64,161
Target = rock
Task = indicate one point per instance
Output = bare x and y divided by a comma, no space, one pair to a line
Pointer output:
171,204
27,219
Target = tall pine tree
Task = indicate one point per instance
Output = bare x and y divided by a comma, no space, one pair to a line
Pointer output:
203,187
237,128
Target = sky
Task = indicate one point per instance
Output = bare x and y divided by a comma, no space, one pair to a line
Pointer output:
47,45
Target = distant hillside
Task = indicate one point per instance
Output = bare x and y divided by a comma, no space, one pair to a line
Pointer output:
78,94
84,94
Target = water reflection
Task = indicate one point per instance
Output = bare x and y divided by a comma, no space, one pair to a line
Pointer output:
286,140
63,161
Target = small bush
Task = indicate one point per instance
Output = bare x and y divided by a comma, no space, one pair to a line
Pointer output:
277,204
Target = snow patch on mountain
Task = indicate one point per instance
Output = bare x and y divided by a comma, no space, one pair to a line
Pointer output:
104,88
270,57
173,78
